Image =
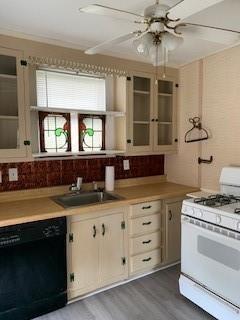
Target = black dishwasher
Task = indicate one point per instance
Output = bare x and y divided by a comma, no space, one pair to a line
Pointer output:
33,267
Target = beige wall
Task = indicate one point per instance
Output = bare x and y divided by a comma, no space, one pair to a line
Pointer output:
181,167
218,95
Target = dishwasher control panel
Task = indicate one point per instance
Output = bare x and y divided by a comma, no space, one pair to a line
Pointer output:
26,232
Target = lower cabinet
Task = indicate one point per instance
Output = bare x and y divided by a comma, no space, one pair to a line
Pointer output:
110,246
173,230
97,251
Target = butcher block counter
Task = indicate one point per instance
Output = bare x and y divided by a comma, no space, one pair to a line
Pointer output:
21,207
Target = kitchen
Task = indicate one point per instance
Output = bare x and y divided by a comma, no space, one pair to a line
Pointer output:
92,185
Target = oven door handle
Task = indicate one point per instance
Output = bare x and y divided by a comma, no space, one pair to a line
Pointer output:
219,235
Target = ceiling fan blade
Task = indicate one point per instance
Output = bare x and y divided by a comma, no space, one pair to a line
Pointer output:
111,12
101,47
209,33
186,8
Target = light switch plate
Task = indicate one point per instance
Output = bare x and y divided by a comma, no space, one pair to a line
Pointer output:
13,174
126,165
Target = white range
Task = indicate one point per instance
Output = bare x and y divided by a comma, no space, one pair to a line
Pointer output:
210,267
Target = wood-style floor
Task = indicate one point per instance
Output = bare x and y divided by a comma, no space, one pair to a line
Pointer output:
154,297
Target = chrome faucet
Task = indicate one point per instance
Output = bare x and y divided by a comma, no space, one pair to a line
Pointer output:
76,186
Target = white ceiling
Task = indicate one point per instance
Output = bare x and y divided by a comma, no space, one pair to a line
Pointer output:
60,22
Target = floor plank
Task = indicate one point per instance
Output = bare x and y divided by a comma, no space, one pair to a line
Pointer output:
154,297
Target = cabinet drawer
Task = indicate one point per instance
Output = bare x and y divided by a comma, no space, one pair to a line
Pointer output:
145,208
147,224
145,260
144,243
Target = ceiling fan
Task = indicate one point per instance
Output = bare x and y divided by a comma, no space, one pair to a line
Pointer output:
162,28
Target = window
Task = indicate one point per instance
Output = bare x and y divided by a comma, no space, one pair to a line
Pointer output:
72,131
55,134
70,91
91,131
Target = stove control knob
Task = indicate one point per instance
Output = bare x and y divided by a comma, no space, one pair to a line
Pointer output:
190,211
199,213
218,219
238,225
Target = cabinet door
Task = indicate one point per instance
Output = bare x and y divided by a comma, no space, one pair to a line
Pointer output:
84,256
140,126
112,248
12,114
173,231
165,116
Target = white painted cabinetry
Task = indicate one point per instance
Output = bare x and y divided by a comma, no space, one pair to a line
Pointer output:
97,251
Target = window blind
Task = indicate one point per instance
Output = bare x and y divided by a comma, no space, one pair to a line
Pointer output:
69,91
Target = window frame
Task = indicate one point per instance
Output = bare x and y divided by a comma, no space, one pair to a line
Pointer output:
81,117
42,115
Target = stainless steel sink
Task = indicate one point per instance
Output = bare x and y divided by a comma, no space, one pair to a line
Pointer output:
85,198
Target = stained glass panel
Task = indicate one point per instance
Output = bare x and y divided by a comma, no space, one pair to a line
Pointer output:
55,134
91,130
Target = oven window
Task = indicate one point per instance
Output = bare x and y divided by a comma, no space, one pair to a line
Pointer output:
219,252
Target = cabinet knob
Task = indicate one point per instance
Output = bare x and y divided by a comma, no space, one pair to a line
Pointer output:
153,120
156,120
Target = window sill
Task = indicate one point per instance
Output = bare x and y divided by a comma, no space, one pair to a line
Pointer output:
76,155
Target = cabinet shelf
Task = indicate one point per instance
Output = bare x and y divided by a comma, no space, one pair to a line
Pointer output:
8,76
165,94
141,92
141,122
8,117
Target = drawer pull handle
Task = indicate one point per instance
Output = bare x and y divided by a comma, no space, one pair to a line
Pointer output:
148,207
103,229
146,223
94,231
146,242
147,259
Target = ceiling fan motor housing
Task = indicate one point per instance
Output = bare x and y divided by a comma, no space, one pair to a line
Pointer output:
156,11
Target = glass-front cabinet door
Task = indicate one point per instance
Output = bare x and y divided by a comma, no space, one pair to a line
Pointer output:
12,120
165,116
140,113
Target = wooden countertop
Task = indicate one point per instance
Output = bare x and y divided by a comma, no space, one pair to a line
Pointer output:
41,208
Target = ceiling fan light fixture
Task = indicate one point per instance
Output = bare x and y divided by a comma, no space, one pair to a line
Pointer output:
157,56
170,41
143,44
157,27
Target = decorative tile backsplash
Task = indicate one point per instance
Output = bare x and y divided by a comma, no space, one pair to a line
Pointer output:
39,174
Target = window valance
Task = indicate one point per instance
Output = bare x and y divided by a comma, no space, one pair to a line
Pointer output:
75,66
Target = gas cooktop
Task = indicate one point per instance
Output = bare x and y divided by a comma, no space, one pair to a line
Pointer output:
218,200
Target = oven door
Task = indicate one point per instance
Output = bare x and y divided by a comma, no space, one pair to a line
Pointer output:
211,257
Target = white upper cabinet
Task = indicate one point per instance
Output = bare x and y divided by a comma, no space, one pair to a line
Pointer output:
165,137
151,116
12,111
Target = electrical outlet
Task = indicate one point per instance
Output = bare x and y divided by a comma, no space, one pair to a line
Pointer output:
13,174
126,165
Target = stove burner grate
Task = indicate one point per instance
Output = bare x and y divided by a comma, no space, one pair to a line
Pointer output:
217,200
